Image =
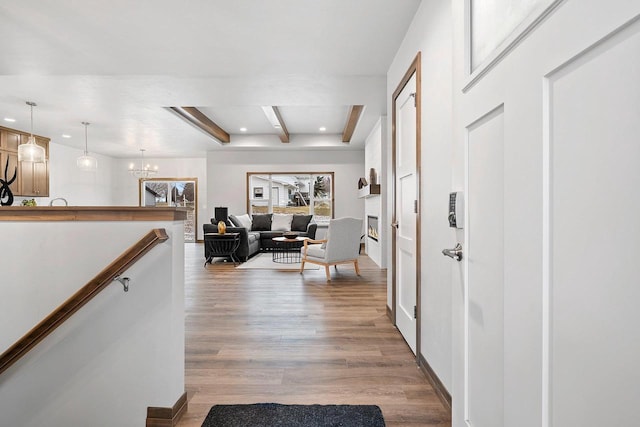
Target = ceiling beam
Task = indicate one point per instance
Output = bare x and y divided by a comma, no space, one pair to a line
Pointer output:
202,122
352,121
275,118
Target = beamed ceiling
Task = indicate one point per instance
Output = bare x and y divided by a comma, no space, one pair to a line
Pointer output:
184,78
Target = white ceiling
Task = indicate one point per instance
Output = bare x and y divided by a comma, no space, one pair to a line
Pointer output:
119,63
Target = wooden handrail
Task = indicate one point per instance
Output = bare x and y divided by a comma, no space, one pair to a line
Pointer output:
80,298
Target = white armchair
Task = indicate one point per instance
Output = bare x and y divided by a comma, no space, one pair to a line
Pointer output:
341,246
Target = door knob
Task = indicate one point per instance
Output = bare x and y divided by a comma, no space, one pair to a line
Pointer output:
455,253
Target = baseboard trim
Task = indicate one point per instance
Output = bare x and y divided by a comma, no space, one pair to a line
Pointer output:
435,382
167,417
389,314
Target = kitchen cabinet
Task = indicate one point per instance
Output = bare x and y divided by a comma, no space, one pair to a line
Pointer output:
10,170
33,178
10,139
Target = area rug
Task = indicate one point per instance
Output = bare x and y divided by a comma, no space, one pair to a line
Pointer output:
277,415
263,261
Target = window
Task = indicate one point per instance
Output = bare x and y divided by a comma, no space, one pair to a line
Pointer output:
294,193
173,192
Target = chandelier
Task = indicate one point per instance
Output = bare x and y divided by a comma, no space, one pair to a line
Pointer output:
30,151
145,171
86,162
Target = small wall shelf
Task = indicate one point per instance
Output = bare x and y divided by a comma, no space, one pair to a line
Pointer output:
369,190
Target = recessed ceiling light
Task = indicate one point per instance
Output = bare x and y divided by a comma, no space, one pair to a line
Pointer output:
9,119
322,129
243,129
64,135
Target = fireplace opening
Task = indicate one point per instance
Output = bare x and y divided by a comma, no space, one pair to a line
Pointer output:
372,227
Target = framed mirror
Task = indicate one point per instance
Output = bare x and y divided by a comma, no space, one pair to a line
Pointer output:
182,192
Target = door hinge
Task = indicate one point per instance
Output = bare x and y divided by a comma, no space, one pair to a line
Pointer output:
415,312
415,206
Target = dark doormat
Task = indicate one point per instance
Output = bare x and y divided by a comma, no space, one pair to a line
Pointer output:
276,415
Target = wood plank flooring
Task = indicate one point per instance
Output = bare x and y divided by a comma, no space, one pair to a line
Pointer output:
279,336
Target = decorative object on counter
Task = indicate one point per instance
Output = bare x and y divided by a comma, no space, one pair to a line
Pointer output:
86,162
222,227
29,202
62,199
145,171
6,195
31,152
362,182
373,176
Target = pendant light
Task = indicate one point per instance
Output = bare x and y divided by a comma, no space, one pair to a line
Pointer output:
31,152
145,171
86,162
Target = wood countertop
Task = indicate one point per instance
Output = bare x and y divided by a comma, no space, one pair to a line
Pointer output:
91,213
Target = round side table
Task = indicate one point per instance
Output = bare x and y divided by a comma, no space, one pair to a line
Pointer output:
287,251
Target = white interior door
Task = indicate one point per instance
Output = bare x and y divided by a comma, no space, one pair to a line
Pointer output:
405,214
592,232
484,305
551,293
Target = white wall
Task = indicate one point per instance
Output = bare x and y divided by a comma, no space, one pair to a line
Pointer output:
119,353
111,184
430,32
373,204
79,188
125,190
227,176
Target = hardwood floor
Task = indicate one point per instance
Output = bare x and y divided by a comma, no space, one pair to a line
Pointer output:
279,336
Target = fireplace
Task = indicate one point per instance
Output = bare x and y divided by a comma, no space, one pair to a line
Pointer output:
372,227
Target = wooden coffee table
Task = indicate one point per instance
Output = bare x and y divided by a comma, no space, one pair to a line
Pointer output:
287,251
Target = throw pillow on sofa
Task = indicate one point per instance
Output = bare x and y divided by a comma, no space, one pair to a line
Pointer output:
261,223
281,222
241,221
300,222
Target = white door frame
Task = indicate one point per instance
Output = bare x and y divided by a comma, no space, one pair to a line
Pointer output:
414,68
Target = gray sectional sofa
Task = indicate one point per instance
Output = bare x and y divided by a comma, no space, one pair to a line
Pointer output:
257,235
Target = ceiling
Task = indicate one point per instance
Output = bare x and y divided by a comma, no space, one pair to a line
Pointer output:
120,64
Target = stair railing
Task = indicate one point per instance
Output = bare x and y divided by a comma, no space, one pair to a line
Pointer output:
103,279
